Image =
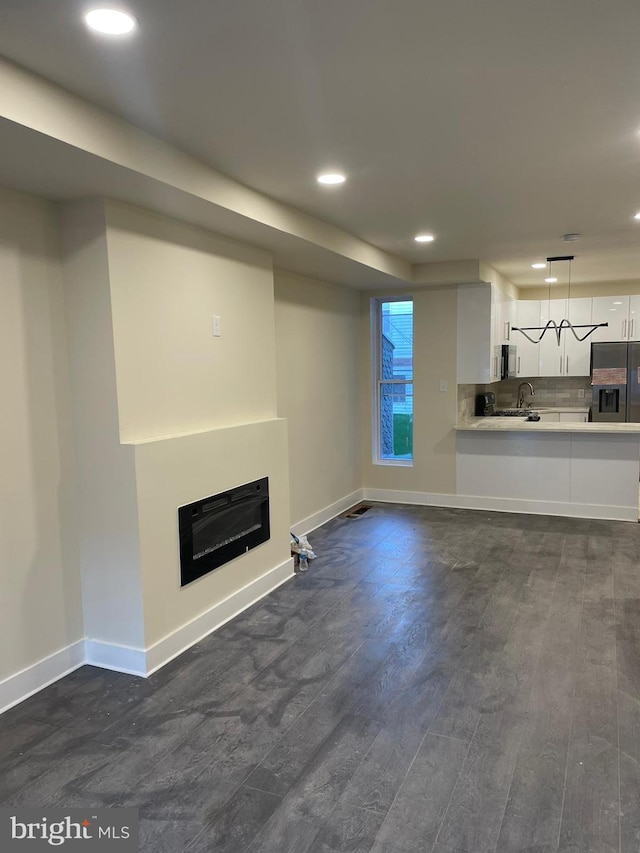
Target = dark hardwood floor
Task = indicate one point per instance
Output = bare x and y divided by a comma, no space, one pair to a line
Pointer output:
440,680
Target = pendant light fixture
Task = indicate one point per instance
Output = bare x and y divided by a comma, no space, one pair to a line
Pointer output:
565,323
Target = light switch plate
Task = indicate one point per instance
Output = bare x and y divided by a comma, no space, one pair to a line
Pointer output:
216,326
444,385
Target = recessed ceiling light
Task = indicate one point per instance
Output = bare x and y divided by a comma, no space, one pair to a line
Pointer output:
110,22
424,238
636,216
551,280
617,303
538,266
331,178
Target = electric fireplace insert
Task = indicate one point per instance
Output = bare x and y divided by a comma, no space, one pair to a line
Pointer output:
219,528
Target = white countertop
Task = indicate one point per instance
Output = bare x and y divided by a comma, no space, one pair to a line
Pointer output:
521,425
559,409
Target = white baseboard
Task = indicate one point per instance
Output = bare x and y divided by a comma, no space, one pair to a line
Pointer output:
16,688
117,658
569,510
187,635
25,683
394,496
304,527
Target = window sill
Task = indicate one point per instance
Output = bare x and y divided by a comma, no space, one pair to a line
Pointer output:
395,463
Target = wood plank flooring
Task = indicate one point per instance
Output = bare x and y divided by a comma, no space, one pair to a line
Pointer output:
439,681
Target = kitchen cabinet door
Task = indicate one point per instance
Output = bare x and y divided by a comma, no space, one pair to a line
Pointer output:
502,317
573,417
509,319
577,354
552,354
476,321
634,318
527,314
496,333
571,357
613,310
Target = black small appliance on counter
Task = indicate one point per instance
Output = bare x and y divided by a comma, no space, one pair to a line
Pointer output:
485,404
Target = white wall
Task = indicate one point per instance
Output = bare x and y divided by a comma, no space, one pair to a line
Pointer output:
39,570
167,282
434,359
503,284
107,513
317,345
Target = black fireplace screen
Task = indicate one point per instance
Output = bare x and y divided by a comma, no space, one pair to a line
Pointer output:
219,528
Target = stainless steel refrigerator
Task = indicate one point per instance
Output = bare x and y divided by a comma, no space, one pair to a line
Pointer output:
615,382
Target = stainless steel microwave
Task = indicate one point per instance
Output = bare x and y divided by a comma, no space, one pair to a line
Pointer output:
508,361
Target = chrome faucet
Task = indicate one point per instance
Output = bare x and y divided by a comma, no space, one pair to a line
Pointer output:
521,395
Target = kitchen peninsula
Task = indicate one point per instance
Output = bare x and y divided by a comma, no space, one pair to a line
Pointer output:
587,470
559,465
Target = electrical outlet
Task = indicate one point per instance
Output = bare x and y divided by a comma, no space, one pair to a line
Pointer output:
216,326
444,385
581,393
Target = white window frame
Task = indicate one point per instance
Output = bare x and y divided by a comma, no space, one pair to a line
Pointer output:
375,326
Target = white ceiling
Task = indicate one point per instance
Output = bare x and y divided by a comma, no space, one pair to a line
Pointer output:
499,125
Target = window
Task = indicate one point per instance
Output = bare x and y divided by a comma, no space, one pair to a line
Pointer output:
392,352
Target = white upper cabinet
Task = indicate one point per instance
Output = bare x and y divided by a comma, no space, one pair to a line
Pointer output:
613,310
571,357
476,327
508,319
550,354
577,354
527,314
622,313
634,318
480,333
486,317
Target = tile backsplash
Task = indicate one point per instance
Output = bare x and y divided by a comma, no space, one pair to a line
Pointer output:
549,391
467,400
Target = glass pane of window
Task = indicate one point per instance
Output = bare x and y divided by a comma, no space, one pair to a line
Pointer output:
396,420
396,347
